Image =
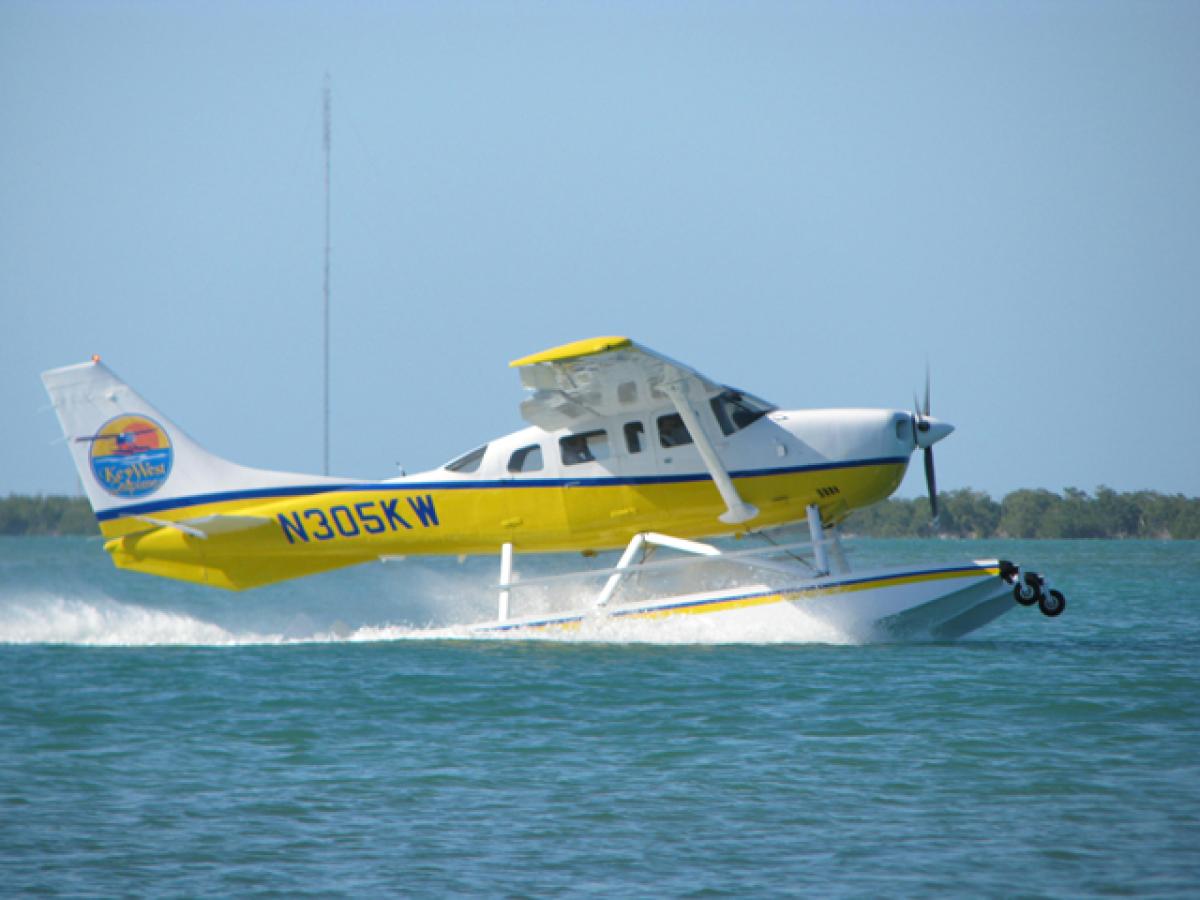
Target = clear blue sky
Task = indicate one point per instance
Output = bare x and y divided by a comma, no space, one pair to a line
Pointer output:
804,200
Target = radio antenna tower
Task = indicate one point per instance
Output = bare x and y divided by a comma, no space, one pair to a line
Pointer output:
328,135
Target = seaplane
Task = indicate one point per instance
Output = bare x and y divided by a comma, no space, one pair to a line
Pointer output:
625,450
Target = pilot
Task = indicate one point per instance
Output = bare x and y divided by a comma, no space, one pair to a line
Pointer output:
575,450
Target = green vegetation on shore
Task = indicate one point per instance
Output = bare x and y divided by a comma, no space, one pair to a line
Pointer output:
1035,514
964,513
23,514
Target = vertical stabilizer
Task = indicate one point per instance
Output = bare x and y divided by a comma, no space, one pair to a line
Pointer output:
130,456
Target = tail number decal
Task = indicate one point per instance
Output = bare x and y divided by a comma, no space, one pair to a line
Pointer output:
350,520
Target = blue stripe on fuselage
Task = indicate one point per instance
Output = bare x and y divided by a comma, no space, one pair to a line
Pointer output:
410,486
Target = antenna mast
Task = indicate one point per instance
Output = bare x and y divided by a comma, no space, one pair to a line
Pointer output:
328,104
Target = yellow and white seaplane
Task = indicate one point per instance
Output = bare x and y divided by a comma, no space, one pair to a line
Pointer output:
626,448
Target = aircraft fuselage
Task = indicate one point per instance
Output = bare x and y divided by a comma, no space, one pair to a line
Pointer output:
594,487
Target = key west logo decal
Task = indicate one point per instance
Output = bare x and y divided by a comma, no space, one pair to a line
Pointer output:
131,456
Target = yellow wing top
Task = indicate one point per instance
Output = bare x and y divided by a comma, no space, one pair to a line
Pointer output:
573,350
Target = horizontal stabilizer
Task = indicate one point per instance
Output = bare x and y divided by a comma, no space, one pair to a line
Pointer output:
207,526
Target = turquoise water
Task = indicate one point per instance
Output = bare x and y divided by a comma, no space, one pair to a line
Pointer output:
158,738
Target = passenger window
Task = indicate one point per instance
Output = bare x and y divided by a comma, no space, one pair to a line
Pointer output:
590,446
672,432
527,459
633,436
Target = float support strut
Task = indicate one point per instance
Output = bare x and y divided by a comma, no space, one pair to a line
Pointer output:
614,580
817,532
636,544
506,560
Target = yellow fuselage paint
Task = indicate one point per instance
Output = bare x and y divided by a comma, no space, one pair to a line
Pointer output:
288,536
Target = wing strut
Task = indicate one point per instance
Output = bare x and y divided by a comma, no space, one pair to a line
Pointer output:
738,510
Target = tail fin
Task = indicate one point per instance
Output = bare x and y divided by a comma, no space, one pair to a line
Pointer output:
133,459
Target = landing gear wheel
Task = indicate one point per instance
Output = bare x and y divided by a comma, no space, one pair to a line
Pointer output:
1052,603
1024,593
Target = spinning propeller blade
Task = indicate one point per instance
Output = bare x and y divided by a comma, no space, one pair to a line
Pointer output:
930,478
920,425
926,409
931,483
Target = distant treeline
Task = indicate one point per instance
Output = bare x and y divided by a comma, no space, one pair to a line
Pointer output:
46,515
963,513
1035,514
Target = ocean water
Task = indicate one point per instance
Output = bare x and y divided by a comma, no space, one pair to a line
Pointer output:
339,735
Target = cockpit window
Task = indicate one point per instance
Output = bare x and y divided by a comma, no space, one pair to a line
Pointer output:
587,447
736,409
527,459
468,462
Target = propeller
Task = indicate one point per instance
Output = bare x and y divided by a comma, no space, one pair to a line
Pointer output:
926,435
931,483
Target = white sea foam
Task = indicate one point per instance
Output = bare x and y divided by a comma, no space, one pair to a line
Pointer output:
691,629
51,619
104,621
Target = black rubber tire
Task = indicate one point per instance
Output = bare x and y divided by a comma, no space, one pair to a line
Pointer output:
1053,603
1022,598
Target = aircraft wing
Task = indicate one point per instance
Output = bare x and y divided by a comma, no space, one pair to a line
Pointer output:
604,376
612,376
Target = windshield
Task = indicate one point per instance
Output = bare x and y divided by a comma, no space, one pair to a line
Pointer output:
468,462
736,409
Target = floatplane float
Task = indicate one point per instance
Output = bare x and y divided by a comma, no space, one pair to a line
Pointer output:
625,448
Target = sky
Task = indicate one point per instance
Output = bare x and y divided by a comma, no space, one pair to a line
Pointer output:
810,201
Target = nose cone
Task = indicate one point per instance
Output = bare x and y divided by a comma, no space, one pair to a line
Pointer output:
930,430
